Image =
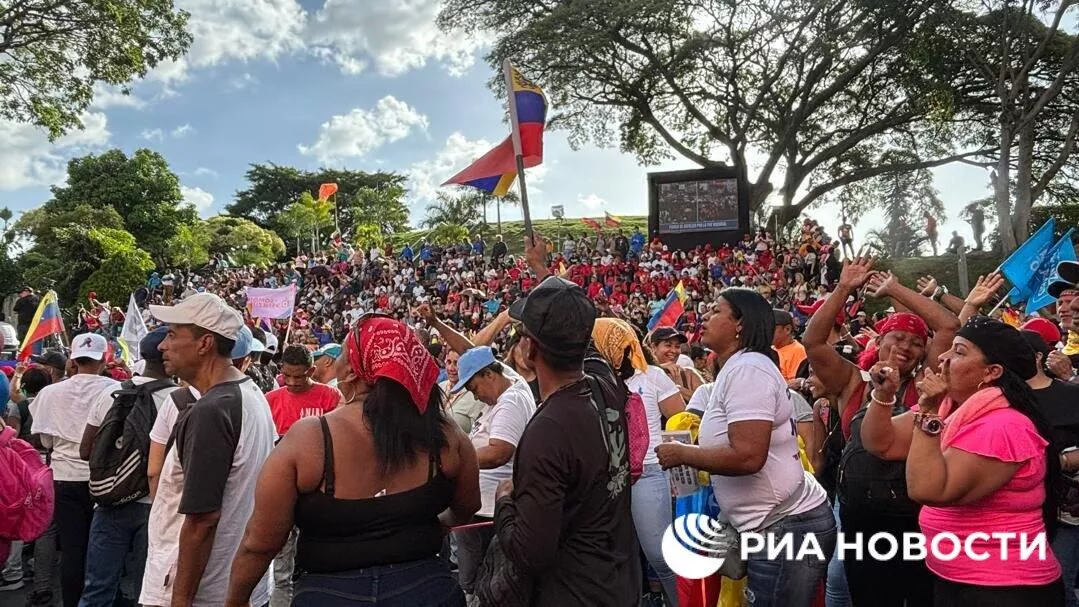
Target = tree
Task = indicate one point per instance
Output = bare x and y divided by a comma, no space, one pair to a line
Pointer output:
123,267
297,221
448,234
190,246
814,92
52,52
320,213
383,207
141,188
457,210
243,241
367,236
272,188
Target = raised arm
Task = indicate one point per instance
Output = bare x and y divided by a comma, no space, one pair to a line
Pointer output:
836,372
488,334
980,295
941,321
455,340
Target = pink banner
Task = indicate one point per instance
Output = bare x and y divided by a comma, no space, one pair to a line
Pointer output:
271,303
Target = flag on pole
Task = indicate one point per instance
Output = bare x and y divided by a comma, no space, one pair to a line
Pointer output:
326,190
592,223
671,310
528,115
1063,250
493,173
46,322
612,221
1022,265
271,303
133,332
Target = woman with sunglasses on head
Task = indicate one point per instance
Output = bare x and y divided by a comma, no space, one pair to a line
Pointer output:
371,486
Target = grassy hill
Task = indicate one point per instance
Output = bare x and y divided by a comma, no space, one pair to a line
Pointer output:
513,231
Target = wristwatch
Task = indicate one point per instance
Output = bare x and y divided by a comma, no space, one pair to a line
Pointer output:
928,423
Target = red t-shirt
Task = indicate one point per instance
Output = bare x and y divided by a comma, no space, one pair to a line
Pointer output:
287,408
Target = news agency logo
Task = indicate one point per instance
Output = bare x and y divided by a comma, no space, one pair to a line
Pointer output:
693,546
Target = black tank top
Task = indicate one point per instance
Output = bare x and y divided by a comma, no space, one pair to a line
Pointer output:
344,534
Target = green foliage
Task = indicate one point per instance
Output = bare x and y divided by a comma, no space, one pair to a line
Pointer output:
514,234
382,206
41,224
243,242
272,188
459,210
297,221
141,189
368,236
52,52
190,247
118,276
448,233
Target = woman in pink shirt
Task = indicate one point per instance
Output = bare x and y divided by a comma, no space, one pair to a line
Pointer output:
979,459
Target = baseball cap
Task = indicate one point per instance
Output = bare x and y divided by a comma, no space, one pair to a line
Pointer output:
271,343
148,345
51,358
1045,328
204,310
558,315
472,362
331,350
1067,279
89,345
666,334
246,344
783,318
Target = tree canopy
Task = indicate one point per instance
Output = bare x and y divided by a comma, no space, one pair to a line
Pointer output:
52,52
242,241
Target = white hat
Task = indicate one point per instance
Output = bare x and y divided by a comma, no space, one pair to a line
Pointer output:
89,345
204,310
271,343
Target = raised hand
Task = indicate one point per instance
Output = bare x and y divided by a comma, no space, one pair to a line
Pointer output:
933,387
884,377
881,284
927,285
856,273
985,289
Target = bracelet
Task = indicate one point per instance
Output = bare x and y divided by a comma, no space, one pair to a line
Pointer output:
873,397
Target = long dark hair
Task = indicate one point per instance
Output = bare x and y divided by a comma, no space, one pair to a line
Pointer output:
758,320
400,431
1021,398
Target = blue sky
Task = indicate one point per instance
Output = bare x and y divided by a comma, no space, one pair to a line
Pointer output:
343,83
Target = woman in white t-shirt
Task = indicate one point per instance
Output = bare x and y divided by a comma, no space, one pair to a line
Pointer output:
617,341
749,444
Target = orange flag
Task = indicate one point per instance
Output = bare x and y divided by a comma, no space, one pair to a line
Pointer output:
326,190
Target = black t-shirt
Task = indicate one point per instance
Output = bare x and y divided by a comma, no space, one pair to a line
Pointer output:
567,523
25,307
1059,403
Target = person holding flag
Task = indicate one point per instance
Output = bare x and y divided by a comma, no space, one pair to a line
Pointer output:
46,322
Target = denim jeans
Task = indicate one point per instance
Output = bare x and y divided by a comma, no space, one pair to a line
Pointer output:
12,568
425,583
792,583
1066,549
651,505
73,514
471,548
835,589
115,530
284,566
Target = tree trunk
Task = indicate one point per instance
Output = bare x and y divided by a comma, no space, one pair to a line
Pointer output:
1024,184
498,210
1001,189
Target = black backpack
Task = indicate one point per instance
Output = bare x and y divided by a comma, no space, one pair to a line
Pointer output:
122,448
867,483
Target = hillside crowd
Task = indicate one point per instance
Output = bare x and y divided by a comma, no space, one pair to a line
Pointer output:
455,425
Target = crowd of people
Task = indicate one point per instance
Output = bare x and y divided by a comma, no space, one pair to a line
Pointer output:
454,425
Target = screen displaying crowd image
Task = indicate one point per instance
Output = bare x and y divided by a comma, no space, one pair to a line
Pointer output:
697,206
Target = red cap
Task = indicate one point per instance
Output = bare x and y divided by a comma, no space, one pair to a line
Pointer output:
1045,328
812,309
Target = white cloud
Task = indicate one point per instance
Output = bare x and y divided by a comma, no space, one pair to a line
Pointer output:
198,198
205,172
591,202
106,97
361,131
152,134
395,35
28,159
182,131
424,177
243,81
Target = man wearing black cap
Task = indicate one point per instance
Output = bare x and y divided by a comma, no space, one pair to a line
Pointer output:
25,308
116,528
564,520
53,362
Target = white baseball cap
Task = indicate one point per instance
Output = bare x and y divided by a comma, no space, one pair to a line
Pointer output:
89,345
204,310
271,343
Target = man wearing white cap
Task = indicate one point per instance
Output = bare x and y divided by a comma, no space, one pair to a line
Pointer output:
59,413
207,483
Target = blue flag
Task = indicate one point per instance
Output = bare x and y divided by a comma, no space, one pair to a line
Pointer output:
1024,263
1063,250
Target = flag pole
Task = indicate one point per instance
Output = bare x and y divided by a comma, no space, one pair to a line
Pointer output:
507,69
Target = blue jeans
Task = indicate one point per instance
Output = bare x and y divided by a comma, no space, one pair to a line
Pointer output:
113,532
1066,549
835,591
651,505
792,583
425,583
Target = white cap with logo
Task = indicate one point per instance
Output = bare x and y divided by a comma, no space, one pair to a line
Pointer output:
89,345
204,310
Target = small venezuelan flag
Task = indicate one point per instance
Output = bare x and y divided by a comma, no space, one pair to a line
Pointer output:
493,173
672,309
612,221
46,322
528,114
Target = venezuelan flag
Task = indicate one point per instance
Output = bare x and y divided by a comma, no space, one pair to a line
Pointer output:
47,321
612,221
493,173
528,114
672,309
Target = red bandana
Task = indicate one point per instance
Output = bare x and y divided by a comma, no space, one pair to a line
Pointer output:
906,322
383,347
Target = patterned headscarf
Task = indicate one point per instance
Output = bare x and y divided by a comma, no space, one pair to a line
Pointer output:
906,322
383,347
612,336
